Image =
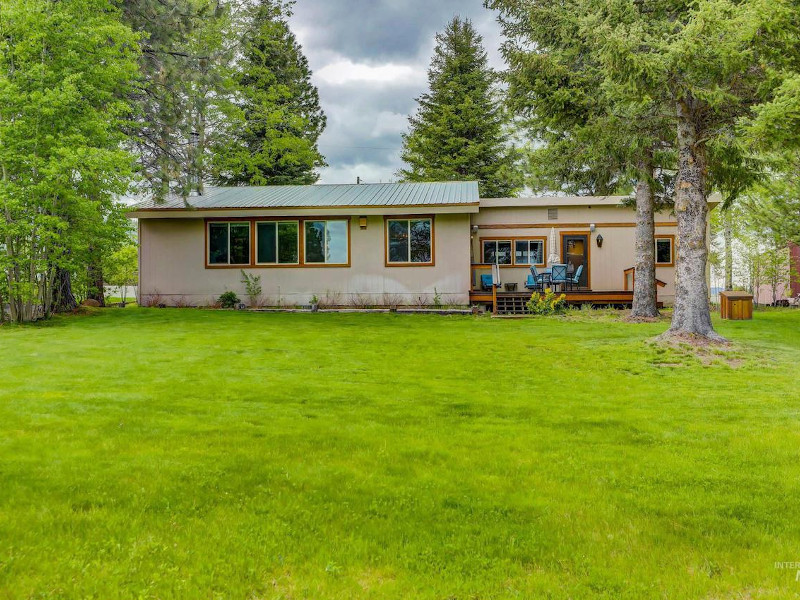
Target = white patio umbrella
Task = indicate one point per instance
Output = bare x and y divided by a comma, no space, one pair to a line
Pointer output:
553,257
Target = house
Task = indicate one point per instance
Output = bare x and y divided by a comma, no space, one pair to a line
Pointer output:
387,244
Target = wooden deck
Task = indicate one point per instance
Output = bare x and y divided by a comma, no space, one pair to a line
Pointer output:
513,303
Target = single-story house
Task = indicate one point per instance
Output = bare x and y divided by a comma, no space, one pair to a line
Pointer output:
386,244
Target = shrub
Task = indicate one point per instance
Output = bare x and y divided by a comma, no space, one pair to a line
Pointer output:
229,300
547,304
252,286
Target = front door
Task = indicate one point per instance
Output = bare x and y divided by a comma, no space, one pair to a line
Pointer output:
575,252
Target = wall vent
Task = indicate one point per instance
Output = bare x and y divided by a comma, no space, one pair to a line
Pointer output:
552,214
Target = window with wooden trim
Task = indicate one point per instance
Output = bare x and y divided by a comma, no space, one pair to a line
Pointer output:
229,243
497,252
409,241
529,252
326,242
277,242
665,250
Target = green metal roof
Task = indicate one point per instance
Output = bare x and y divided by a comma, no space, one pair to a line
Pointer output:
326,196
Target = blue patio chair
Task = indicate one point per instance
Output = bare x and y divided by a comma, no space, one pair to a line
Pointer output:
576,277
558,275
532,284
541,279
486,282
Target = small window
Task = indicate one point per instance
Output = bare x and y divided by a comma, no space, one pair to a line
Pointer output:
497,252
326,242
529,252
552,214
409,241
664,251
229,243
277,243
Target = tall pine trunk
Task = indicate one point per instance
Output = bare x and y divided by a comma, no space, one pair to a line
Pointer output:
645,301
692,315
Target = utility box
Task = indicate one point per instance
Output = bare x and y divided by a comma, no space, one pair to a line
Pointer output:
736,306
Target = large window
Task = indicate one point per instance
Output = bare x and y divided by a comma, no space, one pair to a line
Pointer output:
326,242
410,241
665,251
497,252
229,243
278,243
528,252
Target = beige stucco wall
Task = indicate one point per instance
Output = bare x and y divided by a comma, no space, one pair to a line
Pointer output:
172,263
606,264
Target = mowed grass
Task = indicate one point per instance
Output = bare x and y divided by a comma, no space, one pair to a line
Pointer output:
199,454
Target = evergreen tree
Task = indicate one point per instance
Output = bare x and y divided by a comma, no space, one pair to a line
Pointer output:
183,98
460,131
274,139
712,63
588,141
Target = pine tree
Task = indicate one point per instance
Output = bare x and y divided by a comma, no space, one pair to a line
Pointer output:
460,131
183,98
274,139
711,63
587,141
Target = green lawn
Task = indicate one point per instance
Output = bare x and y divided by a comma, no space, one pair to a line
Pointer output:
199,454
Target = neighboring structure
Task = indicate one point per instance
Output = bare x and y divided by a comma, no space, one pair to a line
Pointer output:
384,244
766,295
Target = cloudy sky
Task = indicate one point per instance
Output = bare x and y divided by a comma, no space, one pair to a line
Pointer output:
370,60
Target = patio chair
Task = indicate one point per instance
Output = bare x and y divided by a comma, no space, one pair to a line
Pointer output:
558,275
532,284
486,282
575,278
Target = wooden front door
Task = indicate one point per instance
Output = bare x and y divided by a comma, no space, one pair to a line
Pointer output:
575,252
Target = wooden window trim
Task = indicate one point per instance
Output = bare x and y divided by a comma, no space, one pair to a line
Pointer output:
301,241
276,264
672,249
228,222
387,218
325,264
514,239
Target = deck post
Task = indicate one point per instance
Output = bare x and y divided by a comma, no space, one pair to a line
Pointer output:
494,299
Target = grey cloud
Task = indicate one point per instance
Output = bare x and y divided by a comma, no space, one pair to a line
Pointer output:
366,117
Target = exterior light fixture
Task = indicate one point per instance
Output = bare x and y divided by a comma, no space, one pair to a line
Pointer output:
600,241
592,227
362,222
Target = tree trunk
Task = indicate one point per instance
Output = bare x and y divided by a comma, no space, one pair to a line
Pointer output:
728,235
96,283
645,302
692,315
63,298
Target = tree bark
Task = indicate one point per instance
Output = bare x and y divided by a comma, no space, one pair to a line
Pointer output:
692,315
96,283
645,301
63,298
727,233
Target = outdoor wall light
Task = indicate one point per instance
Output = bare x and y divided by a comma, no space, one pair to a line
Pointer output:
592,227
362,222
600,241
